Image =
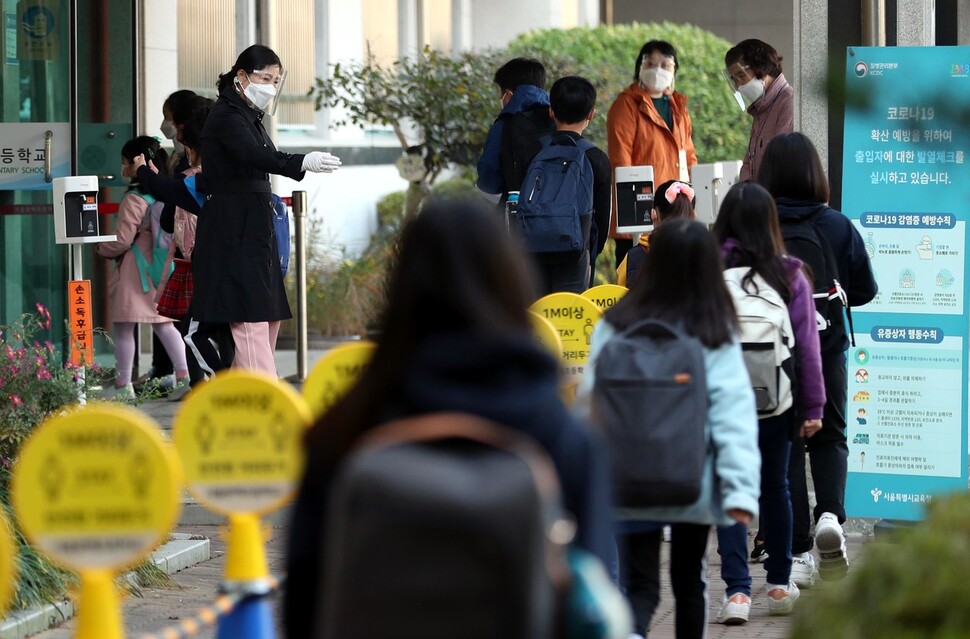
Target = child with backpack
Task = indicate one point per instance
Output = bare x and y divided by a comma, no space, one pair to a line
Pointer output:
671,199
210,346
828,242
564,206
677,319
755,259
132,285
455,337
513,139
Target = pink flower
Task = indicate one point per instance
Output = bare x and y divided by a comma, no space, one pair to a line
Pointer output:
43,374
16,401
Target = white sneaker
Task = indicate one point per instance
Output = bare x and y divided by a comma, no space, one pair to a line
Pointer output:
735,611
781,599
830,541
803,570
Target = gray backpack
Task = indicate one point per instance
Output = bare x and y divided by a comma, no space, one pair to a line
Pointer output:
442,526
650,397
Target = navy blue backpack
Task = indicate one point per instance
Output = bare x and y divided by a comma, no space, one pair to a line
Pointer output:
281,228
556,201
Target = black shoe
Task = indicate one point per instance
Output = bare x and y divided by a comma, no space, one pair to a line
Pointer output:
759,554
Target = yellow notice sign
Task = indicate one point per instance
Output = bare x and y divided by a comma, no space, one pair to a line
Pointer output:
240,439
8,564
605,296
334,374
573,316
546,334
97,488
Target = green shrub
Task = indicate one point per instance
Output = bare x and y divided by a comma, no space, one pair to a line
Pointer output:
910,586
606,56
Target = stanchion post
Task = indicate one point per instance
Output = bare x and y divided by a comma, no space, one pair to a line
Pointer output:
299,217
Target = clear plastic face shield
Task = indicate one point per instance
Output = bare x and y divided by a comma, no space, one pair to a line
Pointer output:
737,75
265,88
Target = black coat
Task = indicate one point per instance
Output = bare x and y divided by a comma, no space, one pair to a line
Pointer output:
235,265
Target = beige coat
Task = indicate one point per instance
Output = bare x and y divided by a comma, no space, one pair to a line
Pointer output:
127,302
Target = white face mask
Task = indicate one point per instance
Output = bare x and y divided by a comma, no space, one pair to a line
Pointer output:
656,79
752,90
260,95
168,129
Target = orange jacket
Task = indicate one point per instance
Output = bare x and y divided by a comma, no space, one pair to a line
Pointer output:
637,135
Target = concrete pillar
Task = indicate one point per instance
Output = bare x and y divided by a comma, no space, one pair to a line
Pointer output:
589,13
409,27
160,51
915,25
461,25
809,66
963,22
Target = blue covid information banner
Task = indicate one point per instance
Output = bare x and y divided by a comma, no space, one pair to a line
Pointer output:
906,187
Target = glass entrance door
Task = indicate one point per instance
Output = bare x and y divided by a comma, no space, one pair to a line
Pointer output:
66,108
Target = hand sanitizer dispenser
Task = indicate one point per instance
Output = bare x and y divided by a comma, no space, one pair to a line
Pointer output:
76,218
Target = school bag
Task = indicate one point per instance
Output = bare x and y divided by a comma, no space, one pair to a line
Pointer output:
555,206
522,137
441,526
281,229
766,338
159,268
802,240
650,398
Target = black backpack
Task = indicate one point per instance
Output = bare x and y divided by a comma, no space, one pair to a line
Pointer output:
442,526
650,398
522,136
802,240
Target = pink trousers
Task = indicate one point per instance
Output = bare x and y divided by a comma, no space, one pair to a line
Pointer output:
255,345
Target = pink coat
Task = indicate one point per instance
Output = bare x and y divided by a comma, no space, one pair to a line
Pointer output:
127,301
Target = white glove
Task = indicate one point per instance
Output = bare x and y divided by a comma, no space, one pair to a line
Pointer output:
320,162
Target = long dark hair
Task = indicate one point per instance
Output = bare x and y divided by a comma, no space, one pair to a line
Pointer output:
792,168
253,58
681,283
457,271
749,216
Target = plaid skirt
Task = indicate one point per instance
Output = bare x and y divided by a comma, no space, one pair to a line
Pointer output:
177,295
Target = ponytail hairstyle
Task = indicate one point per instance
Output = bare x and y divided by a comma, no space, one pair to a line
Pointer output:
674,199
749,216
253,58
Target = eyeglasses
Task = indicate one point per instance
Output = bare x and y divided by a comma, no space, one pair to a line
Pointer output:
666,63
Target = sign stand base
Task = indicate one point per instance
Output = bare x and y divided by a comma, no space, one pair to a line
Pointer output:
99,609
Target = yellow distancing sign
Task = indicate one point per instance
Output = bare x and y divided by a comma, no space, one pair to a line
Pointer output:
335,373
240,439
546,334
97,489
605,296
8,564
574,317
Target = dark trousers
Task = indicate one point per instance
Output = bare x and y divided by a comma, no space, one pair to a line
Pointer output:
639,558
774,442
561,272
828,453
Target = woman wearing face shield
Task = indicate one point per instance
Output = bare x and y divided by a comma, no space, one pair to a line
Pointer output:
753,70
648,124
235,265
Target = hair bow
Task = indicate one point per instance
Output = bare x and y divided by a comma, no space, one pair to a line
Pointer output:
676,189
